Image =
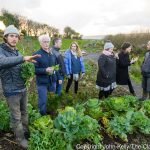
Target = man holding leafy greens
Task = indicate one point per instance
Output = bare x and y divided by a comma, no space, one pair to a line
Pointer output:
47,72
13,85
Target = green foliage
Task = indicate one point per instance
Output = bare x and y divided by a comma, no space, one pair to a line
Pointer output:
49,139
141,121
138,40
55,68
71,33
135,70
27,73
4,116
121,125
9,18
43,135
33,114
43,122
77,126
146,107
93,108
120,103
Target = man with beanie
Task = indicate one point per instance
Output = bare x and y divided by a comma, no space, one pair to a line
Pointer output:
57,42
106,76
13,85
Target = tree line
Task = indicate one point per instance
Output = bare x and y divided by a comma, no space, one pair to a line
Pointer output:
29,27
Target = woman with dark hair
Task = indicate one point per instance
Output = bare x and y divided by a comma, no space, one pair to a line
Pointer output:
106,76
74,66
123,63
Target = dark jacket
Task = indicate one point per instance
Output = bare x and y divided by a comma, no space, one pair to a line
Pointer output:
146,72
146,66
60,60
46,60
10,69
122,68
106,70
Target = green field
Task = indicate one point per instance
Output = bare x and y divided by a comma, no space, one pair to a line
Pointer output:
29,45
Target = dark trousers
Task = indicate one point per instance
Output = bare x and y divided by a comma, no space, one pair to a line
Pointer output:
130,87
42,96
69,85
18,111
104,94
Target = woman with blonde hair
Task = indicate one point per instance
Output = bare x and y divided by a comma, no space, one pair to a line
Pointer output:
74,66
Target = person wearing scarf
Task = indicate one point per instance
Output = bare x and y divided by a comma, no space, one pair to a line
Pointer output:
106,76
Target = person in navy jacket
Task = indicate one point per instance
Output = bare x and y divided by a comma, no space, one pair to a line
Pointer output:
74,66
46,77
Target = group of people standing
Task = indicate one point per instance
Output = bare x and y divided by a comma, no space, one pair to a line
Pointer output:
50,80
47,79
113,70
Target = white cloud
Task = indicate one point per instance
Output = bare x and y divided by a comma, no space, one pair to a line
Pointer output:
89,17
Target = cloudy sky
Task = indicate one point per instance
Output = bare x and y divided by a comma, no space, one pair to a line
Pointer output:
89,17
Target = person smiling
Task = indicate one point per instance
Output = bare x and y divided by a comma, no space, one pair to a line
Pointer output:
74,66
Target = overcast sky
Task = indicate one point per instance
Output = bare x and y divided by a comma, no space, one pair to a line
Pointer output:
89,17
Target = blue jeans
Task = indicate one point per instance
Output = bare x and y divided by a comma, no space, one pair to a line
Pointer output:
42,96
59,87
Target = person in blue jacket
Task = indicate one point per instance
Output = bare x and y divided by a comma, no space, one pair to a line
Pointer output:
74,66
46,76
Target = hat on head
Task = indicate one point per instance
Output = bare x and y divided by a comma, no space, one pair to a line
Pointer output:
11,29
108,45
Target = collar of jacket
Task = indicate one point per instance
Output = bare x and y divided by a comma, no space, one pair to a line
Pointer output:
47,52
7,48
55,48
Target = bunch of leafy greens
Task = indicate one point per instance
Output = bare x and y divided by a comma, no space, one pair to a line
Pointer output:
55,68
27,72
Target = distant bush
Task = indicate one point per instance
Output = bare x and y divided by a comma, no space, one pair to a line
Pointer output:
138,40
